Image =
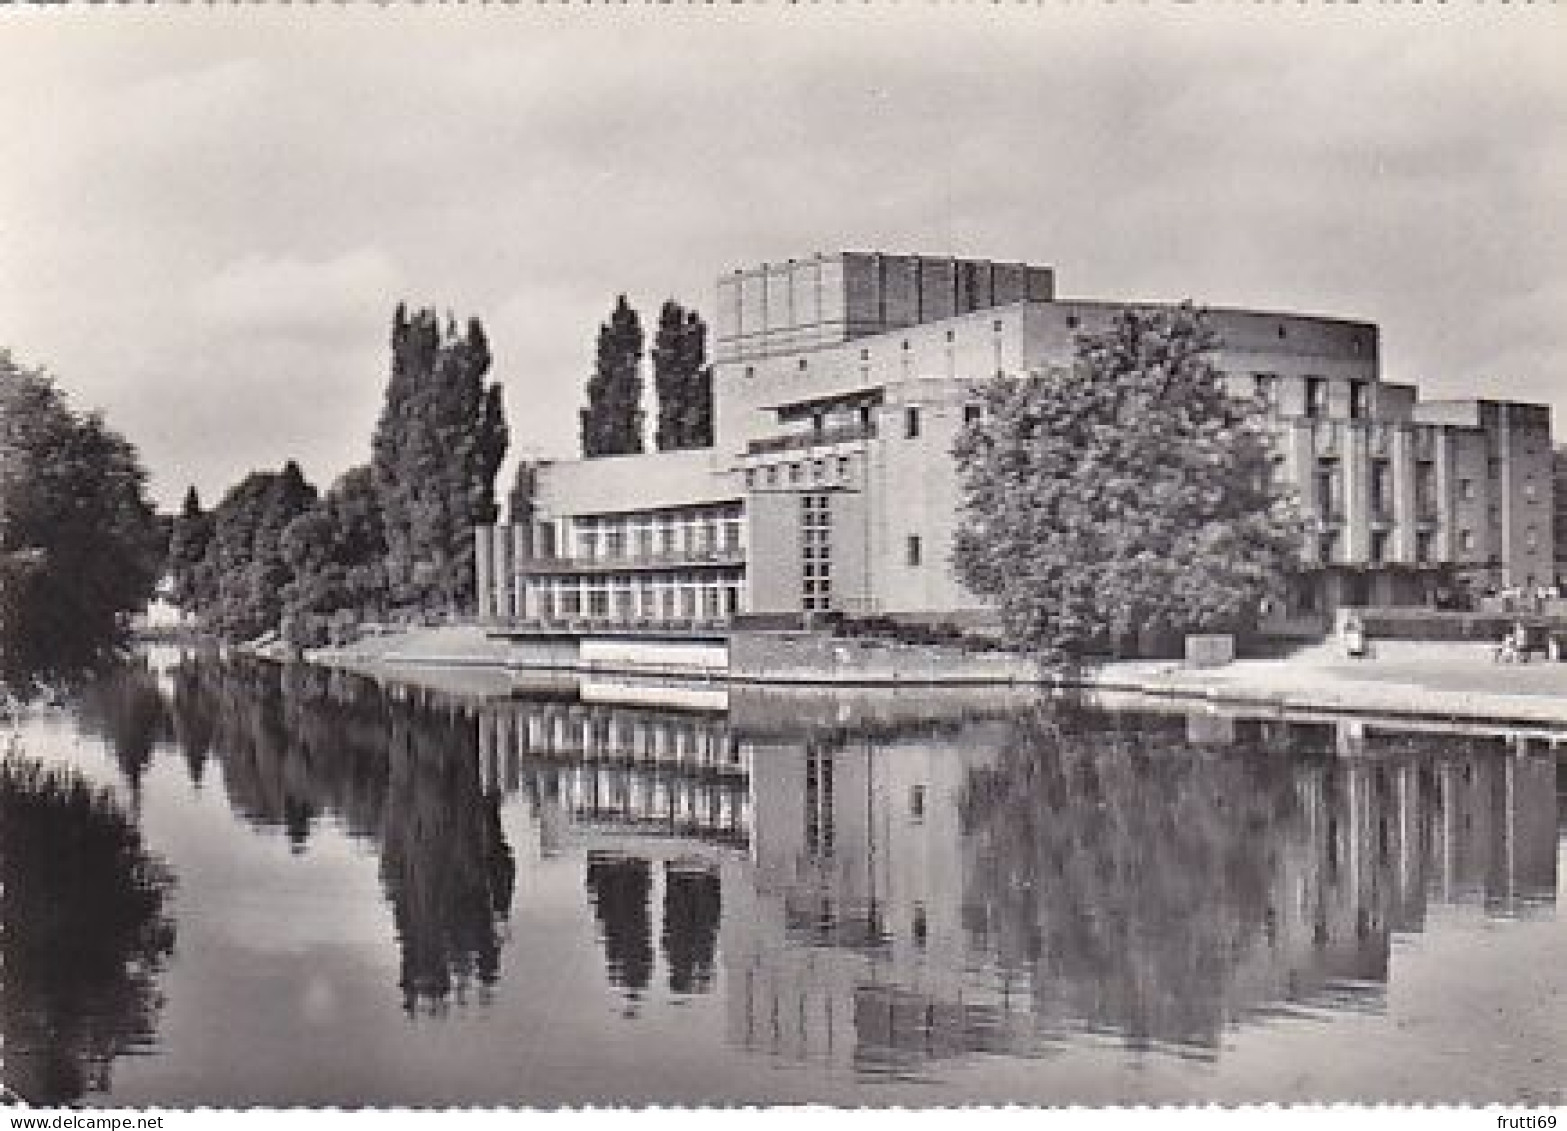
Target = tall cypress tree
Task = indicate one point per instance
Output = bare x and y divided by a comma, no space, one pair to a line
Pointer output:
193,586
612,420
437,449
682,380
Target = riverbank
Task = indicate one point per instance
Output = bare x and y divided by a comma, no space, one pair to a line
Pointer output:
1455,681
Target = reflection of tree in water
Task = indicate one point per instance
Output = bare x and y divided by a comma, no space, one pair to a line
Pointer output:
126,708
692,903
618,887
298,744
83,933
447,869
1128,873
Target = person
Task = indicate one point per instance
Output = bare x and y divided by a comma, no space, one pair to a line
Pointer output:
1514,648
1354,636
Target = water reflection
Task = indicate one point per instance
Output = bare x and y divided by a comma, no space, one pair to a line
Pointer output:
883,886
84,933
928,891
299,745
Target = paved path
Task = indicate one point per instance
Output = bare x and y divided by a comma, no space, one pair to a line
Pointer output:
1447,680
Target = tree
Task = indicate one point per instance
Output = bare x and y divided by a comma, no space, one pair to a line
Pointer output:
193,586
336,554
436,451
79,546
612,420
246,551
682,380
1126,494
520,500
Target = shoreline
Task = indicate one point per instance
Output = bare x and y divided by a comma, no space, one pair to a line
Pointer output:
1405,681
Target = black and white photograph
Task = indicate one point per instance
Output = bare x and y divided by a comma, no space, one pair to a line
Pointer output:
755,555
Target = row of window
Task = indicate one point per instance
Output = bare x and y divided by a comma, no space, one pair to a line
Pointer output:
1328,545
816,551
795,473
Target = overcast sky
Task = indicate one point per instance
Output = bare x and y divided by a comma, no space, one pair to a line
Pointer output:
208,215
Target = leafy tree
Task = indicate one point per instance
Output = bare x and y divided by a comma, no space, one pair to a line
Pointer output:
79,539
336,554
519,501
193,585
436,451
246,551
612,420
682,380
1126,494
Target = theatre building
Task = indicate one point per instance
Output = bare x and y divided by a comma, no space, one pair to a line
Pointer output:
840,384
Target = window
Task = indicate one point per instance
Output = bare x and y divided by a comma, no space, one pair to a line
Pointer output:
1529,493
1327,548
1531,539
818,424
911,422
1330,489
917,802
1072,322
865,355
1466,541
796,473
1466,490
1378,547
816,551
1265,386
1316,396
818,470
772,476
1381,490
750,371
843,467
996,325
1423,547
914,550
971,413
750,477
1359,400
920,926
1425,489
865,418
949,335
803,364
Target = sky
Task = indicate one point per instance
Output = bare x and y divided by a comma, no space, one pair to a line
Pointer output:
208,214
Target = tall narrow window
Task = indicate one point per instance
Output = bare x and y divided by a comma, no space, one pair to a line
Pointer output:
1381,490
1359,400
1316,397
911,422
914,549
1330,489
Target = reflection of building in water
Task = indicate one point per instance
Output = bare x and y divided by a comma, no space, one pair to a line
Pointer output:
658,773
921,899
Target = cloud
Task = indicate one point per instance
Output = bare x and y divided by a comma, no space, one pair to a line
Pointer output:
287,295
207,221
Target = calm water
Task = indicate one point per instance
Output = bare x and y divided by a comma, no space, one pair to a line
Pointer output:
305,889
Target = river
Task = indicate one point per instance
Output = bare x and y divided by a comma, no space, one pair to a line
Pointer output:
232,883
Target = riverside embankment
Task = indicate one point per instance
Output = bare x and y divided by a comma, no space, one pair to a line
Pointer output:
1459,682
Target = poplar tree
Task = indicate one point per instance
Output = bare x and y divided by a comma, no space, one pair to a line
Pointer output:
682,380
612,420
436,451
